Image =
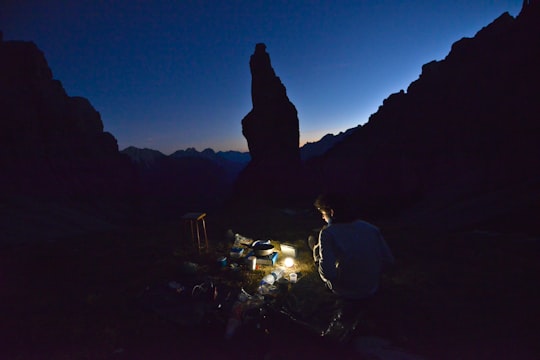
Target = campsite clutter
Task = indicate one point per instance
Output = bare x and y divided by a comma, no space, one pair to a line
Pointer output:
237,289
247,255
248,291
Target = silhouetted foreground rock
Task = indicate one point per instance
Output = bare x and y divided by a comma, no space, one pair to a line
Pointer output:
60,173
52,145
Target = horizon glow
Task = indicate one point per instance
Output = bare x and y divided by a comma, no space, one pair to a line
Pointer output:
170,76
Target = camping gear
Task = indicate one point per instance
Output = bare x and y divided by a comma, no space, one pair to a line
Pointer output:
269,260
252,262
274,276
261,248
288,250
236,252
222,261
192,221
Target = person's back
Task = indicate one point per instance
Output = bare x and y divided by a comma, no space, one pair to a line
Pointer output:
352,257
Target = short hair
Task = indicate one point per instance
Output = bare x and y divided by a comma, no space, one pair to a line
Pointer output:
340,203
324,202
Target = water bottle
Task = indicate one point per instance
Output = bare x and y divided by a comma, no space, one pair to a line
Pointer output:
277,273
268,279
273,276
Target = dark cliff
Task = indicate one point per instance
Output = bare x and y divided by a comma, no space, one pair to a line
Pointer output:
60,173
52,145
466,129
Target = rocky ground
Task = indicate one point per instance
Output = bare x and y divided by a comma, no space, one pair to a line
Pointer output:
462,295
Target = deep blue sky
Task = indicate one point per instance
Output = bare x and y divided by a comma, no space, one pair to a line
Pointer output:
168,75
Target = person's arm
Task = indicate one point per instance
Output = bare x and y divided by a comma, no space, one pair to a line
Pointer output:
327,259
316,253
313,243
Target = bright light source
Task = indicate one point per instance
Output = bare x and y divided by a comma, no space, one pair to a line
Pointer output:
289,262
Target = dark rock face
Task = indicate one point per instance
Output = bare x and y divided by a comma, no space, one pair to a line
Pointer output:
466,129
272,132
271,127
51,144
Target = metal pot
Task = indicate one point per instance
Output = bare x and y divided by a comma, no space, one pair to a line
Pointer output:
262,248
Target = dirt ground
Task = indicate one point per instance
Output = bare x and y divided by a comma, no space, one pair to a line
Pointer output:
464,295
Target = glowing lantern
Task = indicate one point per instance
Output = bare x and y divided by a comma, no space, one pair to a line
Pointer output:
289,262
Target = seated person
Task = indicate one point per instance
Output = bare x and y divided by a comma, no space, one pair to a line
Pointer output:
350,254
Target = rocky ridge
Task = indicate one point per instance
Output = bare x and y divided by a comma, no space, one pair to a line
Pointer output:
463,135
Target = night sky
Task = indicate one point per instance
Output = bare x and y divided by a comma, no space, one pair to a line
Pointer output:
168,75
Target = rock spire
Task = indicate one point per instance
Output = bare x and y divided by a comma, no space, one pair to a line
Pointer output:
271,128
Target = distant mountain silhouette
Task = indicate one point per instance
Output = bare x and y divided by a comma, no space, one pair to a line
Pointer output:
144,158
152,163
317,148
232,162
183,181
171,185
235,156
464,136
307,151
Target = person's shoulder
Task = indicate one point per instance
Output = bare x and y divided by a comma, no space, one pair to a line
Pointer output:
365,225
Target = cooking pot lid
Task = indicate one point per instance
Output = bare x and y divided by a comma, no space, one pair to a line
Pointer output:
261,244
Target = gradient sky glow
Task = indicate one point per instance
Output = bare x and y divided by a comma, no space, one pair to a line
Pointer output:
168,75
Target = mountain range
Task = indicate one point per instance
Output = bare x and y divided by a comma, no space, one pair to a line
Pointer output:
165,176
231,158
458,148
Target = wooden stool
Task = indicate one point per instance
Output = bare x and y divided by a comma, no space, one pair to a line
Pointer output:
194,219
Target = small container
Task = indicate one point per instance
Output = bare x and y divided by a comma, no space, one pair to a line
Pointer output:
222,261
236,252
288,250
293,278
252,263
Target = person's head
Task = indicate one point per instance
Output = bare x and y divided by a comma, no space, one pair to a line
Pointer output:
334,208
